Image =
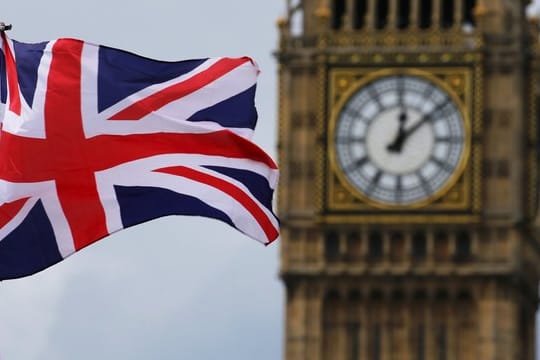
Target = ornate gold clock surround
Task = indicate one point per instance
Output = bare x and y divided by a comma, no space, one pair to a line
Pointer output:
459,199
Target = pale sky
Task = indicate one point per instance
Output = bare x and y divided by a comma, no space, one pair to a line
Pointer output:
175,288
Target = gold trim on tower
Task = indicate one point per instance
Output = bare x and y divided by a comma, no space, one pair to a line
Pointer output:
462,84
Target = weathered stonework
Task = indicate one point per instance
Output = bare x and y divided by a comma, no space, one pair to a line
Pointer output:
455,278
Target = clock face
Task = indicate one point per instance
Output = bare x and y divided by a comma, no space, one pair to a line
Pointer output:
400,140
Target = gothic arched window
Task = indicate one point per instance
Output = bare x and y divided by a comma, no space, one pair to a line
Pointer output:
381,18
360,14
331,246
419,246
338,13
426,8
468,11
404,14
463,246
447,13
375,245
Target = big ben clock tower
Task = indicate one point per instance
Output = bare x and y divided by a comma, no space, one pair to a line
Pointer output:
409,155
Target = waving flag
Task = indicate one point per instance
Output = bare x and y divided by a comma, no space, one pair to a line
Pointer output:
96,139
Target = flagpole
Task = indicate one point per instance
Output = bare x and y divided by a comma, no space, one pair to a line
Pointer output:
5,27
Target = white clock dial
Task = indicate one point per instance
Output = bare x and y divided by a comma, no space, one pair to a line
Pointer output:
400,139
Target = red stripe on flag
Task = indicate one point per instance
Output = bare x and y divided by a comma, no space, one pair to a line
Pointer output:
107,151
75,183
174,92
9,210
231,190
13,79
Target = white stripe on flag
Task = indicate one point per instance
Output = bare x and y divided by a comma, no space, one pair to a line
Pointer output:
140,173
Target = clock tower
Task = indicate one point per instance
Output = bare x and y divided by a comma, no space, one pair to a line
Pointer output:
408,143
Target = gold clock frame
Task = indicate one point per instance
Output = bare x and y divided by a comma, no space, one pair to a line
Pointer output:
357,86
458,200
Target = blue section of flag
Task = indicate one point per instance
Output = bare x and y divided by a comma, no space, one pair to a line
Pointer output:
237,111
122,73
257,185
28,58
139,204
30,247
3,79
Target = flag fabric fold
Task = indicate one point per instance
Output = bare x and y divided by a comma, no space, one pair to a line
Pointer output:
95,139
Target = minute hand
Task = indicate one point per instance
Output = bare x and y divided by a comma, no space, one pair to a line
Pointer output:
425,118
415,127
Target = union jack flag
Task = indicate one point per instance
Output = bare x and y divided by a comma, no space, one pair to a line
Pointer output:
96,139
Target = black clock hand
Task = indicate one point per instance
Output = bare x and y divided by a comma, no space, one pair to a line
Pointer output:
397,144
403,135
416,126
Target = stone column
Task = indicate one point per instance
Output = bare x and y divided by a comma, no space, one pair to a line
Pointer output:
370,16
458,14
296,320
393,15
350,13
487,323
413,16
314,324
436,14
451,316
429,338
364,328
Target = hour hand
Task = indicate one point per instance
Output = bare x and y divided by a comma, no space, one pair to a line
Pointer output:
397,144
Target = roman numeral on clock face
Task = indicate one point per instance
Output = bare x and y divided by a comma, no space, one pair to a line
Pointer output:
424,183
357,164
350,140
452,139
399,188
442,164
374,182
